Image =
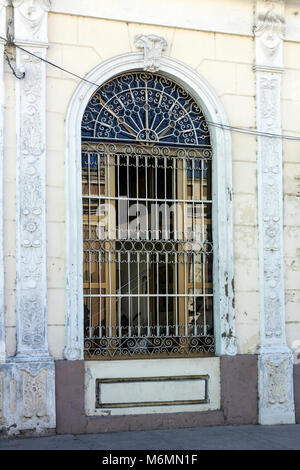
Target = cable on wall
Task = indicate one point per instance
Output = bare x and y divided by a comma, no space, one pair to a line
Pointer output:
20,75
241,130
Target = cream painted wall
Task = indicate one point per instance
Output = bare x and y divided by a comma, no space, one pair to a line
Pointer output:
225,16
225,60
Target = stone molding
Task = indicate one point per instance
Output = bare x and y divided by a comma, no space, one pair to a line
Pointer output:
213,16
31,18
152,47
275,376
222,174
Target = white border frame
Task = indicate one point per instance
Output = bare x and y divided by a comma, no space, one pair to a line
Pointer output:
212,107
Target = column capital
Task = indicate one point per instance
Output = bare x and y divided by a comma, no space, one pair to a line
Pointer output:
31,20
269,31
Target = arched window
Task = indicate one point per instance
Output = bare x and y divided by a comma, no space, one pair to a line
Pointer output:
147,221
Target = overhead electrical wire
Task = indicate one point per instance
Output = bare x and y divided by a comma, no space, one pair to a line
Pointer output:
241,130
253,132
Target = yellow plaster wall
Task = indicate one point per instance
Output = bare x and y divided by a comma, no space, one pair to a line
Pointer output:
226,61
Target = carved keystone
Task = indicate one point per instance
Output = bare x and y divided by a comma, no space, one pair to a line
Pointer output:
153,46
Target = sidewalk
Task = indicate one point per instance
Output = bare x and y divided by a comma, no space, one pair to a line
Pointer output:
248,437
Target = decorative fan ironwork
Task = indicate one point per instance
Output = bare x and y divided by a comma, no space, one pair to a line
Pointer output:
144,108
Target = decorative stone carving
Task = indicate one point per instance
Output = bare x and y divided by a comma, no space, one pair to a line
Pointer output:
33,326
34,394
270,114
271,206
276,388
277,385
31,19
276,404
269,31
29,396
152,46
29,385
31,287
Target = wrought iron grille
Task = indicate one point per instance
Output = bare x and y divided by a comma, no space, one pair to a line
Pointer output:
147,228
148,108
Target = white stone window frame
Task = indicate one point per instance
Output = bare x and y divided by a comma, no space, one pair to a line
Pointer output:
223,273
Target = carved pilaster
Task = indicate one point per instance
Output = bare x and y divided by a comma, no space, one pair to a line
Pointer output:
270,194
276,404
152,46
31,205
29,383
31,27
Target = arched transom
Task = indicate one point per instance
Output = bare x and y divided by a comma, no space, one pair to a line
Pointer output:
143,107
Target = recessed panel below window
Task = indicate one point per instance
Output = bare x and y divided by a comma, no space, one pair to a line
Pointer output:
143,386
151,391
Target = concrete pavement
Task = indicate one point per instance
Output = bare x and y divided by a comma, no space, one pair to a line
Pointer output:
250,437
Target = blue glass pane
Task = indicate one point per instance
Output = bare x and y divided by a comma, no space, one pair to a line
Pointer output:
89,160
199,167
